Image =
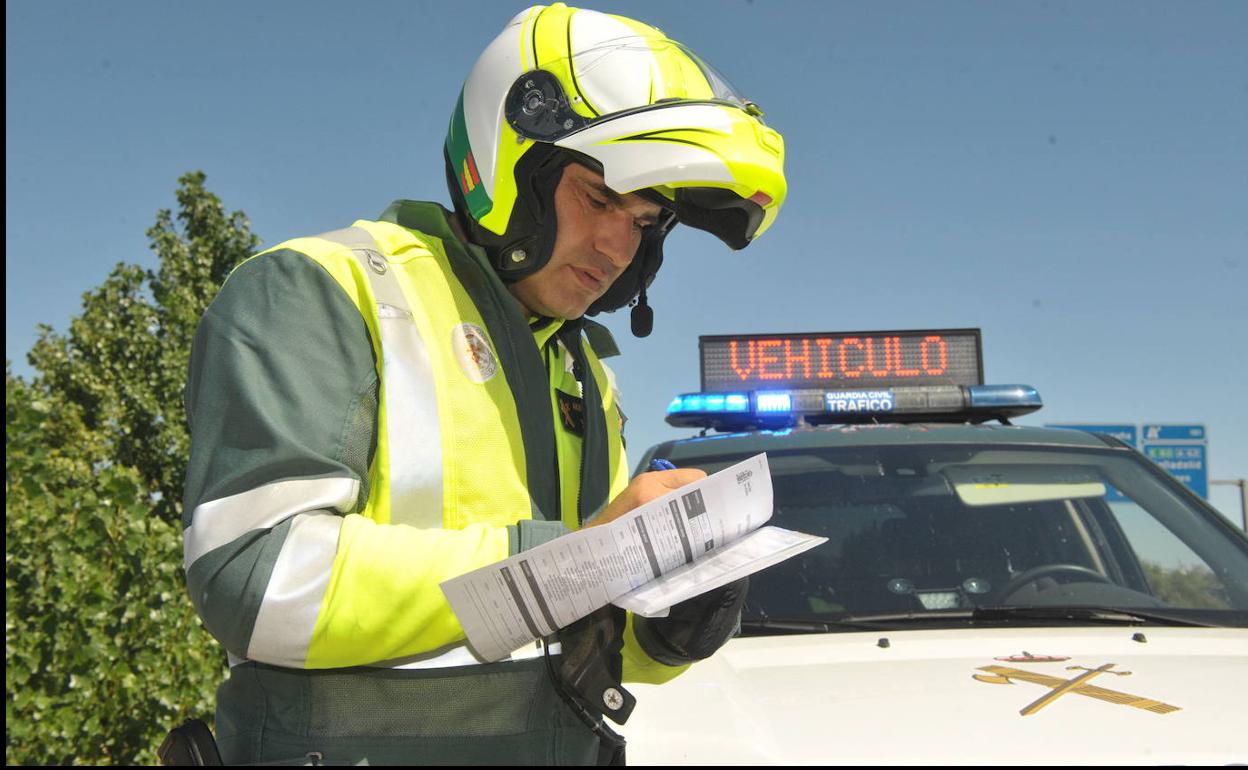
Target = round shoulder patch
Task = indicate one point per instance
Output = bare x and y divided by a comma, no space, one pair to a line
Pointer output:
472,350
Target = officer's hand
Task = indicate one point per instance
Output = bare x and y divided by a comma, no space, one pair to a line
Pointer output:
695,628
644,488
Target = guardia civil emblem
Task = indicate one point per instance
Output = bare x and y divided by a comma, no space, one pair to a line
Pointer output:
1079,685
472,350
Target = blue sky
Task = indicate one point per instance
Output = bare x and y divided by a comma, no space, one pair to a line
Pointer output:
1070,177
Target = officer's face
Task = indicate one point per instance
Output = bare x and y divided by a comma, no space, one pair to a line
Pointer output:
599,232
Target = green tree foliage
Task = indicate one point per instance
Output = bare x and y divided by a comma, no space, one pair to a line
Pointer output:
1191,585
103,651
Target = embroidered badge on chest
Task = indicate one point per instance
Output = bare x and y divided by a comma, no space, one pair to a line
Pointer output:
571,413
472,350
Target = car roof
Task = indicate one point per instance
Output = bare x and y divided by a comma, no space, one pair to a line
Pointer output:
887,434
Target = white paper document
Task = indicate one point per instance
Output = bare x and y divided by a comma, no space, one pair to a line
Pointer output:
745,556
696,538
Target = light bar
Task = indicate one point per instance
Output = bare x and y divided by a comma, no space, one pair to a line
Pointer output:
732,411
697,403
772,409
988,396
774,402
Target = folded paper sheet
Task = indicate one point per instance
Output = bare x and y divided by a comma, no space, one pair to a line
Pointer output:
696,538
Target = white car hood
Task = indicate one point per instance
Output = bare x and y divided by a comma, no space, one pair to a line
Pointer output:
912,697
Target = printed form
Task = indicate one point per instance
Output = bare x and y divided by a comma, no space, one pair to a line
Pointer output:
694,539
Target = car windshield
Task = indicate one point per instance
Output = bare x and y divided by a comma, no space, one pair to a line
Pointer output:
932,532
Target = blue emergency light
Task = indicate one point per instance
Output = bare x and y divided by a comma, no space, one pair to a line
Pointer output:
780,409
854,377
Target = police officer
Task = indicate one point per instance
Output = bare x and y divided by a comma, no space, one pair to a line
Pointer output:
380,408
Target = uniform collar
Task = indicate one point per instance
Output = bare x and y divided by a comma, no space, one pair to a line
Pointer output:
544,328
428,218
432,219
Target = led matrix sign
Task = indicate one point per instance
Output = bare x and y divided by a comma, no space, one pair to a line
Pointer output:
858,360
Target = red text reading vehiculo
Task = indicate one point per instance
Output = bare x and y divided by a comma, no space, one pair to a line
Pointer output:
831,357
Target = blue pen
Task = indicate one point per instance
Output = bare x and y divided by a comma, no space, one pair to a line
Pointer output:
659,464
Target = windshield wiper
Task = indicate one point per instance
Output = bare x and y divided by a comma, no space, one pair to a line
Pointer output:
1107,615
1035,616
1032,616
804,626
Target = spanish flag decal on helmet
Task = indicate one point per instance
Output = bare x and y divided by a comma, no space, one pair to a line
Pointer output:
475,195
469,176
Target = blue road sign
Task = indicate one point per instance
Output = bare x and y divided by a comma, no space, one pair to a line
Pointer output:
1181,450
1174,433
1124,433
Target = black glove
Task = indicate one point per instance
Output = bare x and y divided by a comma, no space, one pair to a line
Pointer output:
693,629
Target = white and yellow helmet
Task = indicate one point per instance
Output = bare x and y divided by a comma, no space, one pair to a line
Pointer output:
564,84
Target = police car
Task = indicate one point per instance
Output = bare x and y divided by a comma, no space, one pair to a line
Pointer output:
989,593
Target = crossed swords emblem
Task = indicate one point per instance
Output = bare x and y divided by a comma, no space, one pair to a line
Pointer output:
566,410
1078,685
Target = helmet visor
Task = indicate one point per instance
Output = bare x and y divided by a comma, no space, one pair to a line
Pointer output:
666,70
616,77
652,114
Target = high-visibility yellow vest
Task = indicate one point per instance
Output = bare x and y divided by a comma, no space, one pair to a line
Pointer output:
451,453
479,426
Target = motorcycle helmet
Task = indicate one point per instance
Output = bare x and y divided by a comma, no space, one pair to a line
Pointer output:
564,85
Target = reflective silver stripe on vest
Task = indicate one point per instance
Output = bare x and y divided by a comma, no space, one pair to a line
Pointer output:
222,521
296,589
462,655
459,655
409,392
413,432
